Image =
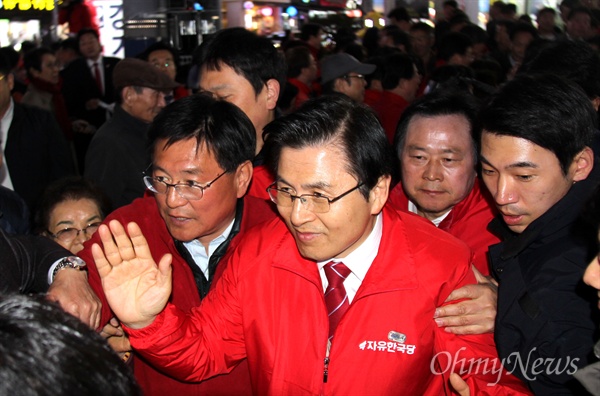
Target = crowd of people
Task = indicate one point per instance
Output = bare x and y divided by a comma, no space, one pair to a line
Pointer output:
409,212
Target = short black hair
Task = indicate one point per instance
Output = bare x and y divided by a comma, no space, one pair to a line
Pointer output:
546,10
339,121
450,3
575,60
85,31
297,58
399,14
440,103
227,132
158,46
33,59
546,110
396,67
71,188
453,43
583,10
46,351
252,57
523,27
309,29
69,44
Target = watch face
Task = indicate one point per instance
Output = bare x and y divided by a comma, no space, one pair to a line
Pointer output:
75,261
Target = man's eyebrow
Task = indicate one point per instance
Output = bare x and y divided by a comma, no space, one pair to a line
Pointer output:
520,164
317,185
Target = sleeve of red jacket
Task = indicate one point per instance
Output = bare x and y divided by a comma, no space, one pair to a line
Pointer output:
475,359
195,346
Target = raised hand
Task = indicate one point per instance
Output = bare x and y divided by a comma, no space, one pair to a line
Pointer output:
136,288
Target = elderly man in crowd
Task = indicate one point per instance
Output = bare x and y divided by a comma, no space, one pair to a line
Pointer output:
118,155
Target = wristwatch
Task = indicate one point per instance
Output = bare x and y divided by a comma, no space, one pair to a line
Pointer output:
69,262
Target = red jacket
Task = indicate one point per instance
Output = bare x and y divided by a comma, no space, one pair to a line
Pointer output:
261,179
389,109
304,91
79,15
185,293
467,221
269,306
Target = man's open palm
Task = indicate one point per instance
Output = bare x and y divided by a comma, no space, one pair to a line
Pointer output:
136,288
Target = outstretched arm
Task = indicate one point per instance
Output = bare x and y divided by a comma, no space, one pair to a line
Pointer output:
476,314
136,288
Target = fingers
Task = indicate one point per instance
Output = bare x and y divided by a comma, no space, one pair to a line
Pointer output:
124,248
139,244
468,291
467,317
479,276
459,385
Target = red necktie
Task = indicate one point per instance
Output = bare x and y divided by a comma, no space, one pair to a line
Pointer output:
98,78
336,298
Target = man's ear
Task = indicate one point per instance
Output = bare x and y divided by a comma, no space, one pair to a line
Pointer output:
379,194
582,164
596,103
243,177
128,95
272,93
340,85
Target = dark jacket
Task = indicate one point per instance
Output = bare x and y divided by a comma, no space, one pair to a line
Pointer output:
14,214
79,86
117,157
545,310
36,152
26,260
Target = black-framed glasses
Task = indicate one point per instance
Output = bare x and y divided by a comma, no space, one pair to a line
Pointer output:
189,190
315,203
69,234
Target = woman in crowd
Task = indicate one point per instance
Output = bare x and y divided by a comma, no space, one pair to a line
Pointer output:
70,211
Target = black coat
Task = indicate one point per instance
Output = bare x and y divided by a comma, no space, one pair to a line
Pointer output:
545,311
79,86
25,262
36,152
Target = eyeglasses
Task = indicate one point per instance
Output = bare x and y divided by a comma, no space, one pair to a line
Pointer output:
69,234
189,190
2,77
316,203
359,76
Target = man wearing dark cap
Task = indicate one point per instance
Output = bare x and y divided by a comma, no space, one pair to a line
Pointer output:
344,74
117,154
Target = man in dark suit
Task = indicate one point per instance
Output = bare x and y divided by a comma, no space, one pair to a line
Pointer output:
88,89
35,151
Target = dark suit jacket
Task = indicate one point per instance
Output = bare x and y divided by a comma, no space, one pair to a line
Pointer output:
36,152
26,260
79,86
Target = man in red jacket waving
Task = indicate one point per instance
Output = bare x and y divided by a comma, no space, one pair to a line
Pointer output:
281,301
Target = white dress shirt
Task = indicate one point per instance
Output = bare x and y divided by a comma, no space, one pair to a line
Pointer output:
198,250
359,261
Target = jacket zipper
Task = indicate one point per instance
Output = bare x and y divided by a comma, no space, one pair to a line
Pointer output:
326,363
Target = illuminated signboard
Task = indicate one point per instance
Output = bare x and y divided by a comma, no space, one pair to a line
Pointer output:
26,5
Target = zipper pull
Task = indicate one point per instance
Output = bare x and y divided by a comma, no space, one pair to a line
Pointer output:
326,370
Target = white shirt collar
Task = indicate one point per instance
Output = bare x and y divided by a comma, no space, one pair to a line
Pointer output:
198,250
359,261
413,209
